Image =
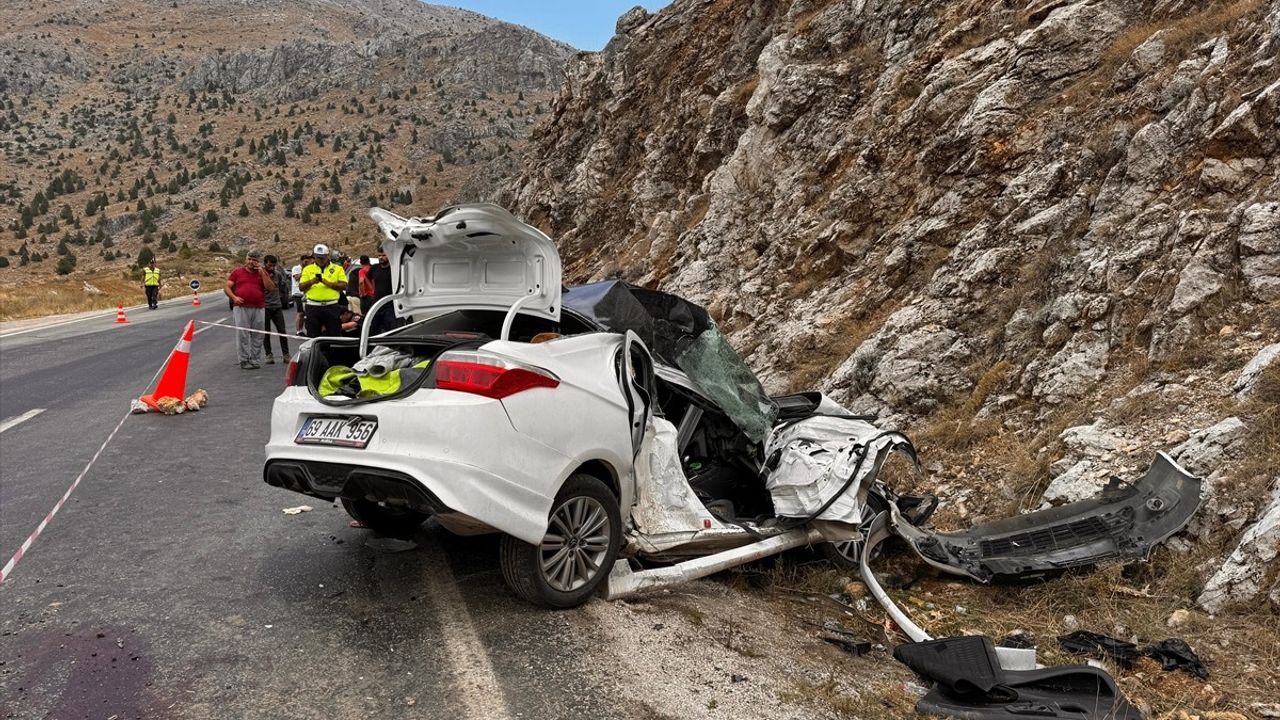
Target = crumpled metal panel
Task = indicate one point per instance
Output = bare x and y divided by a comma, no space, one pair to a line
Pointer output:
822,466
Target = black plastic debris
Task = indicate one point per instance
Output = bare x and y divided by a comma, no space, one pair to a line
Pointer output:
964,666
1018,641
971,684
1083,642
1172,654
1176,654
1122,523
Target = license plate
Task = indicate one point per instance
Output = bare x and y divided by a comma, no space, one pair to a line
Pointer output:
343,431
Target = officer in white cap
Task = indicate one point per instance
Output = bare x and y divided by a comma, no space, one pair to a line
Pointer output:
322,284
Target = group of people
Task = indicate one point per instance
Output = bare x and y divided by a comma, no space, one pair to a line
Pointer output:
260,291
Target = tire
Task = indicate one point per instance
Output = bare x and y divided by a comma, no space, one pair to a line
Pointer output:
559,574
382,519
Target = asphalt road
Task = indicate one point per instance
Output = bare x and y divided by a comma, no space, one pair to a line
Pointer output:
171,585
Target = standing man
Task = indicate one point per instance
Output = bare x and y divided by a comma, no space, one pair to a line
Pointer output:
277,303
296,274
379,276
364,285
322,284
247,288
151,283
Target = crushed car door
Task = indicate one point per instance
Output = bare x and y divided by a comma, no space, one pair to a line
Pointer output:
638,385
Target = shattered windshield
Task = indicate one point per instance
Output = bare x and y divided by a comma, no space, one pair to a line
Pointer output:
682,335
720,373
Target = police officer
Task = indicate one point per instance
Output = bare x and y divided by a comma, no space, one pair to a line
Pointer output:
151,283
322,284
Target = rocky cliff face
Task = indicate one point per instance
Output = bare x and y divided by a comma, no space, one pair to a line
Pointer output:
984,220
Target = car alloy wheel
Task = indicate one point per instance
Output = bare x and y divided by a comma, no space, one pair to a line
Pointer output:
576,544
584,533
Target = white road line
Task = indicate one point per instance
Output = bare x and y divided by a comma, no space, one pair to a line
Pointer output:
20,419
468,662
209,325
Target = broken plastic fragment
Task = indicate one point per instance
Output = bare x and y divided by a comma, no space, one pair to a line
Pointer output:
972,684
1123,523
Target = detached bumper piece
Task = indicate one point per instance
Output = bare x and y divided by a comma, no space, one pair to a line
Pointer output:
971,684
1123,523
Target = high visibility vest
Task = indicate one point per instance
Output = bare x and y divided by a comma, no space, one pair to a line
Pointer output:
150,276
332,272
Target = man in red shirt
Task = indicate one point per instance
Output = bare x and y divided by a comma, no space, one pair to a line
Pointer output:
247,288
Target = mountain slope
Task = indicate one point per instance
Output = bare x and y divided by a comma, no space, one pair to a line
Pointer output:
198,129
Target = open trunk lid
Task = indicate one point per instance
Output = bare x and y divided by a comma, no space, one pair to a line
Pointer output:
470,257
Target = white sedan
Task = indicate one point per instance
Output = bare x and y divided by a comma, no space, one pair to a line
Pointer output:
594,427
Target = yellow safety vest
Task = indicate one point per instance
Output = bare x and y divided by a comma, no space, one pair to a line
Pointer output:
150,276
332,272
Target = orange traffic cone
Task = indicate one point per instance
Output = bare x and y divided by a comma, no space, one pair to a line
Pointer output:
120,318
173,383
195,299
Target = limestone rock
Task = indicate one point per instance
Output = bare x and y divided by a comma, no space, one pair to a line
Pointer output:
1260,246
1230,176
1209,448
1252,371
1074,369
1244,574
1093,456
1196,284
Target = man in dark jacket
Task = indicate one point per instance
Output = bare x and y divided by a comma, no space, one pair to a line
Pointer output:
380,276
277,302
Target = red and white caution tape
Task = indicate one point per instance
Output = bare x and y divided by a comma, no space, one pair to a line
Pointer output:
252,330
31,539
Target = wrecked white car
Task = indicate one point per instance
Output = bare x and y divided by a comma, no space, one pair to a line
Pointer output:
606,427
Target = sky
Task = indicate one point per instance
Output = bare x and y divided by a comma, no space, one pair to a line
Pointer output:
584,24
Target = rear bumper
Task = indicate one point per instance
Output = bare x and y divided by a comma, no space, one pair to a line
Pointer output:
353,482
426,455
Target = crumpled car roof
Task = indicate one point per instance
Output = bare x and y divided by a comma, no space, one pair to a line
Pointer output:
683,335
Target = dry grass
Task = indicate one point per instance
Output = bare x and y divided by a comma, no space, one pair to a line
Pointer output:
57,297
822,354
1182,33
39,296
834,694
959,428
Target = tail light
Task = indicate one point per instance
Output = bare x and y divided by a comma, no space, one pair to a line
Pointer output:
291,372
489,375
